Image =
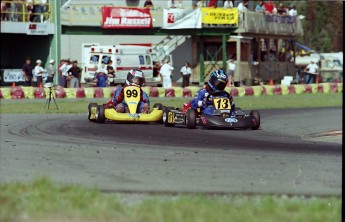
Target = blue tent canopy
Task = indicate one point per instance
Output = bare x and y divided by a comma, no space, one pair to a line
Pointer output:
305,48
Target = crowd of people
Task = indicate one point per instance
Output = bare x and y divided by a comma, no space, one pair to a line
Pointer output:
25,10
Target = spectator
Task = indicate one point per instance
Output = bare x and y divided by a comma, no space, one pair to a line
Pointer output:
74,75
51,71
269,6
231,71
64,72
243,6
171,4
37,10
260,7
272,56
43,10
281,10
111,73
4,11
186,72
292,11
29,11
39,72
27,70
166,74
148,4
200,4
101,76
312,71
212,3
228,4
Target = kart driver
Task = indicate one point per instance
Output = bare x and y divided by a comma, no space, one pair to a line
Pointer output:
135,77
217,82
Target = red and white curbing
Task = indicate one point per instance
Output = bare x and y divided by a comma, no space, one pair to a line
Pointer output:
21,92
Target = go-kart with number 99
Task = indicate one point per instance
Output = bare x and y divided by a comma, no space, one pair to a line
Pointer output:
221,118
132,95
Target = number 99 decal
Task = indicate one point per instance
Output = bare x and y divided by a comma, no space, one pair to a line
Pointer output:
131,93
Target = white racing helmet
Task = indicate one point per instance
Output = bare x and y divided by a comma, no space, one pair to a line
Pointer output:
135,77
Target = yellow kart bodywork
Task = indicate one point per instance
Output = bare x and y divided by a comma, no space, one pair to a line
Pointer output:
132,95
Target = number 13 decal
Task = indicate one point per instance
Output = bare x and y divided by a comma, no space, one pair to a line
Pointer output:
222,103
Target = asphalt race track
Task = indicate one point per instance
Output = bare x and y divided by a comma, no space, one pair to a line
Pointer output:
279,158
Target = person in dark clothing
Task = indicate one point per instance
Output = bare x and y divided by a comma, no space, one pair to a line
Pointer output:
27,70
111,73
73,75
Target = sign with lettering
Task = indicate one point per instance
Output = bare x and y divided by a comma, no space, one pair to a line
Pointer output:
124,18
13,75
181,19
37,29
219,16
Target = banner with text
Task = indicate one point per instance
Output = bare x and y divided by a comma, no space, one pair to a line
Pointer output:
13,75
181,19
37,29
124,18
219,16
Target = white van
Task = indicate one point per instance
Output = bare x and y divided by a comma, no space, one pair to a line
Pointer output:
124,57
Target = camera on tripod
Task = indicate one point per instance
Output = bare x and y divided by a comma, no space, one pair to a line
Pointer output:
51,95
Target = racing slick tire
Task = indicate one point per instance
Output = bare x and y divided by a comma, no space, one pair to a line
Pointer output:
100,116
191,119
91,105
159,106
166,113
256,115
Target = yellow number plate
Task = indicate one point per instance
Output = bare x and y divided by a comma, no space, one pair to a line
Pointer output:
222,103
171,117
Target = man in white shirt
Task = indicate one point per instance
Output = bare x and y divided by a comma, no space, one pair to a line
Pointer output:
166,74
293,11
39,71
231,71
228,4
186,72
312,71
64,72
242,6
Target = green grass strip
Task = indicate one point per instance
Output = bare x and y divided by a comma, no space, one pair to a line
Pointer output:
245,102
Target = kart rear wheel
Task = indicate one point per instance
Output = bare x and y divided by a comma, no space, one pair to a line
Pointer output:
256,115
159,106
168,117
100,116
89,108
191,119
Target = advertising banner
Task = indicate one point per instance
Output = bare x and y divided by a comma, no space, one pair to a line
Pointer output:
125,18
181,19
219,16
37,29
13,75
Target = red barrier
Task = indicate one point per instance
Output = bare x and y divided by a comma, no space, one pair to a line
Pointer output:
1,94
264,91
80,93
234,91
292,89
60,92
39,93
320,88
17,93
248,91
169,92
98,93
277,90
333,87
154,92
308,89
187,92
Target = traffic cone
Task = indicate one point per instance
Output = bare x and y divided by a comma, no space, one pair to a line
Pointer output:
13,84
271,82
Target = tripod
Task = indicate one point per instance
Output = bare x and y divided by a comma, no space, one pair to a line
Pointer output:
51,95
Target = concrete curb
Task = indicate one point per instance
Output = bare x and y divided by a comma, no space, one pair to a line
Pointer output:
21,92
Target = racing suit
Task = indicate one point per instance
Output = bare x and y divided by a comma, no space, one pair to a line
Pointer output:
119,99
207,107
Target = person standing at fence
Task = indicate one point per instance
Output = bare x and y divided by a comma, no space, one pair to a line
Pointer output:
111,73
231,71
64,72
27,71
228,4
313,69
39,72
74,75
166,74
51,71
186,72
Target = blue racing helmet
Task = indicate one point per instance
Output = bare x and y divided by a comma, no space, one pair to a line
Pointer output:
218,80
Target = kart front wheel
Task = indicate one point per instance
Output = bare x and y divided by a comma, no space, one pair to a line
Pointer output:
91,108
191,119
256,116
100,115
168,117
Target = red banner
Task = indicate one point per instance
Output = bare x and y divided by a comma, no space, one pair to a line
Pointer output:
124,18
